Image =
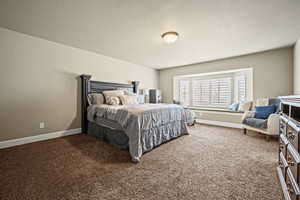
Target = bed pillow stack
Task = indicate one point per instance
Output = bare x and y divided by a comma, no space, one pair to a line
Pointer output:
113,100
127,99
95,98
116,97
112,96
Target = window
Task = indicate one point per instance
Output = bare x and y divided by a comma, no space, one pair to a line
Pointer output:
215,92
241,88
200,91
217,89
184,87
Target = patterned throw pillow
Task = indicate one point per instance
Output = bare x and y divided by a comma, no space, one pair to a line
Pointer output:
112,100
261,102
109,93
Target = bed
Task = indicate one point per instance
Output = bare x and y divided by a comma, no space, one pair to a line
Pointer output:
136,127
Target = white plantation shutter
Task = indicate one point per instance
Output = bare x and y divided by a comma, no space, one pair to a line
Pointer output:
200,92
215,90
211,92
184,92
221,91
241,88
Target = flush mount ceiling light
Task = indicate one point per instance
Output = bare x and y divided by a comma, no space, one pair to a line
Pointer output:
170,37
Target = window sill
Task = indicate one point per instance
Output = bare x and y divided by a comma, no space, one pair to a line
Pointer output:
212,109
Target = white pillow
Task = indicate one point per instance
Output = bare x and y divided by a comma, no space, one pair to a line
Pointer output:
128,99
246,106
129,93
113,92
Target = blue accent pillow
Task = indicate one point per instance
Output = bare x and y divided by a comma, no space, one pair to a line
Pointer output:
263,112
233,107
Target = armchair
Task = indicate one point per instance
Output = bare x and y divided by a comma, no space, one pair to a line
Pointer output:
269,127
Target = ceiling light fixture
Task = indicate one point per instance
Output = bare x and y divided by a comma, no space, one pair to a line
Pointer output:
170,37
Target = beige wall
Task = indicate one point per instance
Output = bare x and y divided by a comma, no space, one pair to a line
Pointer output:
272,72
297,68
39,83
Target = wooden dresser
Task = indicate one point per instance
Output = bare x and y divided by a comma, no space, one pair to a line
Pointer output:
289,139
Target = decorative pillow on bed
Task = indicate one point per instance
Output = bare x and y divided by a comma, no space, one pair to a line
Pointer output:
112,93
128,99
95,98
112,100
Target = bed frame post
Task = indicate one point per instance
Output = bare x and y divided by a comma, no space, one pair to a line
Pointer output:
85,89
135,86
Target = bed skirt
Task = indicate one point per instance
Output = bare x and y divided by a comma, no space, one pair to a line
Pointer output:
117,138
149,140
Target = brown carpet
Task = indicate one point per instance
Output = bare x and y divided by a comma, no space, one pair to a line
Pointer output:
211,163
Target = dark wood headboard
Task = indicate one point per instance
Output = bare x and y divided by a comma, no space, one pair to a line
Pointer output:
88,86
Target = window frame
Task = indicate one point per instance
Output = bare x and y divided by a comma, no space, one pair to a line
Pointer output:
233,74
189,91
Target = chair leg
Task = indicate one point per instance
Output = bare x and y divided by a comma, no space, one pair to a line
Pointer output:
268,138
245,131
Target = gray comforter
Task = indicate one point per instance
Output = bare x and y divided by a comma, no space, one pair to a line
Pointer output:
160,121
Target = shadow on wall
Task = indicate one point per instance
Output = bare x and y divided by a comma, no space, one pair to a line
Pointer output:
77,119
72,97
76,122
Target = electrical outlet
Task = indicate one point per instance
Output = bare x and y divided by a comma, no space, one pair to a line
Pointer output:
42,124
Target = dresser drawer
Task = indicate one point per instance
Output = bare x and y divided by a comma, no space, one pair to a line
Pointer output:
289,145
283,142
284,188
283,164
283,124
293,161
292,134
292,186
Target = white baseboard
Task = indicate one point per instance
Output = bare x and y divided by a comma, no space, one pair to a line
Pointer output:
36,138
218,123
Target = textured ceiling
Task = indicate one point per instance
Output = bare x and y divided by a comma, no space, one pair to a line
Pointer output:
130,29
